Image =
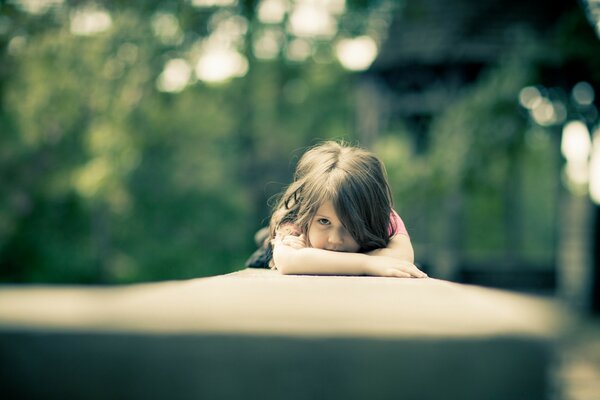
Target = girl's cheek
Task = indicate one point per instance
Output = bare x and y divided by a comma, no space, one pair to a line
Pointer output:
313,243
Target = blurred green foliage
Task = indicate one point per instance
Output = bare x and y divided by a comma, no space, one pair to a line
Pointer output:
105,179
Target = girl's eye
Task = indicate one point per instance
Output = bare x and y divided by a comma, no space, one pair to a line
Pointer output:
323,221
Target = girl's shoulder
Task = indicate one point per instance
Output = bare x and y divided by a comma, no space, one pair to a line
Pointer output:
396,224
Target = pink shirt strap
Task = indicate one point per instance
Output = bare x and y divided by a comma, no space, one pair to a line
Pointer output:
396,224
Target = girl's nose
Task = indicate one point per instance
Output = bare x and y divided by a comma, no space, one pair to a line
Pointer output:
335,239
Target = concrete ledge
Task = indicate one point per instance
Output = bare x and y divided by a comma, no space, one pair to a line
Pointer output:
258,334
264,302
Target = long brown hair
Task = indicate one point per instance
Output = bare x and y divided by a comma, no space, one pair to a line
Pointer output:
353,179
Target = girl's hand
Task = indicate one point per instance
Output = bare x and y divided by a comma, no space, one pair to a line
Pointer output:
295,242
392,267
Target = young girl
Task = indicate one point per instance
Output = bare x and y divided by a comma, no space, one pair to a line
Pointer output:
336,218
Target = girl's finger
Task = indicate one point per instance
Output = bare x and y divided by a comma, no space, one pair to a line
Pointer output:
421,274
302,240
293,241
399,274
416,272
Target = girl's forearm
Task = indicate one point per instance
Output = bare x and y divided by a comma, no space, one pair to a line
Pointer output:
404,254
399,247
311,261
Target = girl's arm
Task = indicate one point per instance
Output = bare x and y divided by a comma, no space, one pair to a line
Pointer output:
292,257
399,247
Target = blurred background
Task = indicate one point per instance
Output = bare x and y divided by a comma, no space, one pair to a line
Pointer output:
143,141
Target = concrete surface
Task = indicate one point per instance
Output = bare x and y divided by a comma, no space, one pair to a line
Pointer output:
258,334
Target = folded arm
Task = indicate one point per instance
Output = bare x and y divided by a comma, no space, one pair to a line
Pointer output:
399,247
291,256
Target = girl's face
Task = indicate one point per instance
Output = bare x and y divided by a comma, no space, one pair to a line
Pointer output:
327,232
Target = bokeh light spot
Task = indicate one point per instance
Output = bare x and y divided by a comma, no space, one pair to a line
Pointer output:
583,93
219,65
90,21
175,76
356,54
